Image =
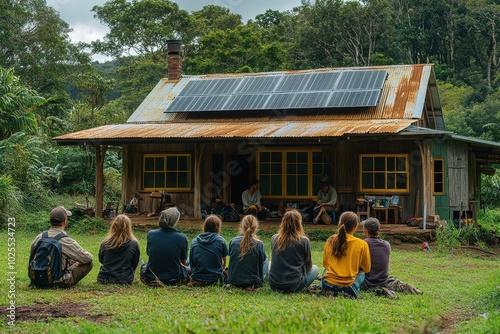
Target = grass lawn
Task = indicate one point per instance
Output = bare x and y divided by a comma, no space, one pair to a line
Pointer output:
461,295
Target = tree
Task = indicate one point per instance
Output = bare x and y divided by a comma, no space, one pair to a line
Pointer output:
94,88
140,27
17,105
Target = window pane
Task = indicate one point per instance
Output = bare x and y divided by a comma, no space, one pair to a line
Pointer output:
149,164
291,157
276,185
303,169
391,181
276,157
149,180
291,169
379,180
265,168
302,157
291,185
265,156
379,163
438,177
401,182
391,164
401,164
276,169
171,180
438,187
159,180
172,163
317,169
159,163
367,181
438,166
302,187
265,185
183,163
367,164
183,180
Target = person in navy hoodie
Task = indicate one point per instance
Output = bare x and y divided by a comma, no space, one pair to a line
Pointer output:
167,250
207,258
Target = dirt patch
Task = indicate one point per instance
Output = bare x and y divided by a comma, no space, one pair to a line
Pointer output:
44,311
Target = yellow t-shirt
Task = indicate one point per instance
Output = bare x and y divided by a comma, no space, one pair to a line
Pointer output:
342,271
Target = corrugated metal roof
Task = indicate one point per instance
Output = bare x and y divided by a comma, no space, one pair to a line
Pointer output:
401,104
280,129
403,96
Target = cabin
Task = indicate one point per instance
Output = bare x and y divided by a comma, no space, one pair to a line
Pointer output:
378,132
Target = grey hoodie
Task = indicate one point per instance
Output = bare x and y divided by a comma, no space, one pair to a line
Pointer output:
205,257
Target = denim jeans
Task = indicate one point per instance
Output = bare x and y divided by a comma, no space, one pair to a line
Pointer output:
352,290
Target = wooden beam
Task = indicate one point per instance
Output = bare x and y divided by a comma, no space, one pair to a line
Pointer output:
198,152
100,153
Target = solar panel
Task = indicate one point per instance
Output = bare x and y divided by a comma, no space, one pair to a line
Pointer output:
258,84
333,89
345,99
246,102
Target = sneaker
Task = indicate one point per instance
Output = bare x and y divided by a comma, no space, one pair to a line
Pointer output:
315,221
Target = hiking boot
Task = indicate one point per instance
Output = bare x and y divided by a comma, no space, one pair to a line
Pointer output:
388,293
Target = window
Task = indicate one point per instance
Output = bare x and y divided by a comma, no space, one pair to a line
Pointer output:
167,171
438,176
292,174
384,173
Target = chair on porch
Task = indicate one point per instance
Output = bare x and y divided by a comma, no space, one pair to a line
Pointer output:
362,209
111,210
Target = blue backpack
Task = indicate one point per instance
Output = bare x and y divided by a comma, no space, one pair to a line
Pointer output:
45,263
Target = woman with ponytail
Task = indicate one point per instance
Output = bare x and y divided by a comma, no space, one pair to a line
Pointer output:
248,260
291,266
346,259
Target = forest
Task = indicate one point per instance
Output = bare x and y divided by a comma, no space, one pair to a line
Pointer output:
50,86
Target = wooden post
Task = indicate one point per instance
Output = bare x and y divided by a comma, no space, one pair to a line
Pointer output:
428,199
198,152
99,189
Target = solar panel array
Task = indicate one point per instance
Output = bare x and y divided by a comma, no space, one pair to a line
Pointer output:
336,89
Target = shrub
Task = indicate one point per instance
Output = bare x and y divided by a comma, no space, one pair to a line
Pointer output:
10,199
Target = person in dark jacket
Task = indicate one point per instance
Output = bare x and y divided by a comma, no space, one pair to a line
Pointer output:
119,253
167,250
207,258
248,260
378,279
291,264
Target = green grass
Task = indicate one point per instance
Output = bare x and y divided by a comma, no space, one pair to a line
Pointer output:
461,294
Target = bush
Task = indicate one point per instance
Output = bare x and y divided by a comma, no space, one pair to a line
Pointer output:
86,224
10,199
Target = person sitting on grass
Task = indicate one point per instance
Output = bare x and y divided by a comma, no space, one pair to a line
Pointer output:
291,264
76,262
207,258
167,250
119,253
248,260
251,201
346,259
378,279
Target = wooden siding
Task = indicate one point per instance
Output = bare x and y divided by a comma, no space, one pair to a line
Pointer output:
458,187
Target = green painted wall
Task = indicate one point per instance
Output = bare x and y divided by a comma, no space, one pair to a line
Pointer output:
440,150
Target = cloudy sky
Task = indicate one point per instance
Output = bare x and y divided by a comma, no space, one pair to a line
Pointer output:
78,14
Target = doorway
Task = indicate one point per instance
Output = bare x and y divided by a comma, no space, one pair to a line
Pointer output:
239,172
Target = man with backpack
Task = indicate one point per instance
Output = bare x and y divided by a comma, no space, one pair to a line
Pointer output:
57,260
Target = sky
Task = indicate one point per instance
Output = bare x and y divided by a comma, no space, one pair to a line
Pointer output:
78,13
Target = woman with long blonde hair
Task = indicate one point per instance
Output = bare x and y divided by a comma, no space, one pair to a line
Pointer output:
248,260
291,266
346,258
119,253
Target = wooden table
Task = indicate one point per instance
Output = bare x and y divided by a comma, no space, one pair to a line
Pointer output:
388,215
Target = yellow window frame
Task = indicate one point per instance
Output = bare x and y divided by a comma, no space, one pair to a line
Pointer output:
284,163
434,173
386,173
165,170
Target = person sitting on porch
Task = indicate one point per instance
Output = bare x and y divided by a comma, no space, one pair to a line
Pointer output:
378,279
251,201
326,204
346,259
